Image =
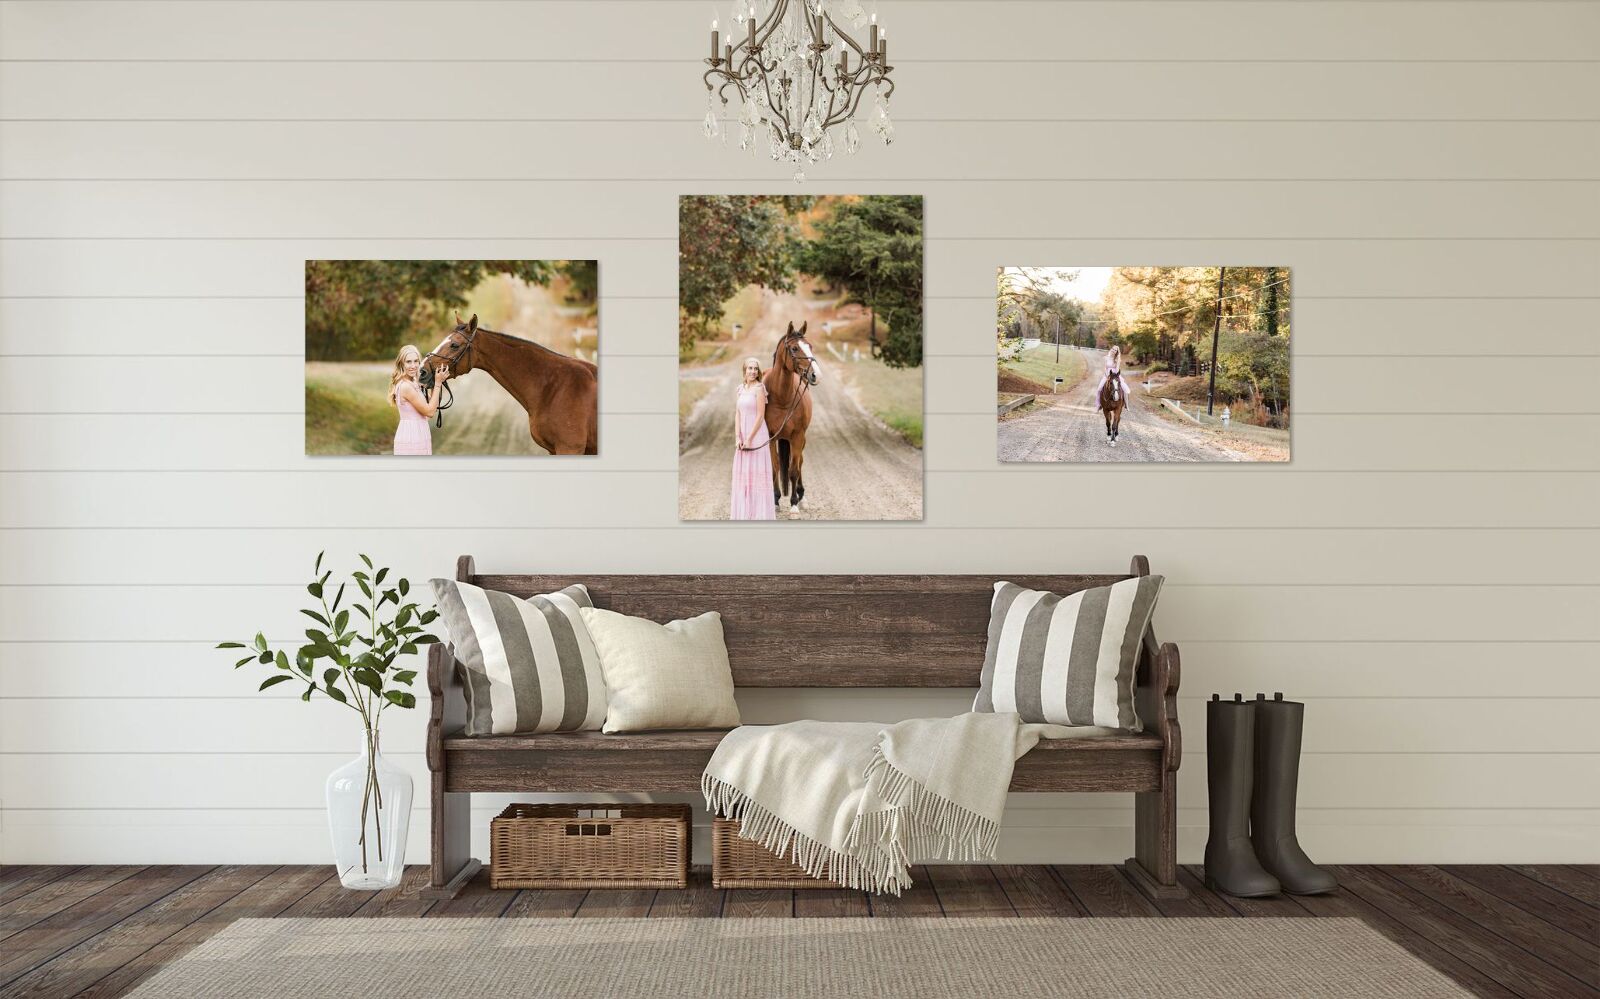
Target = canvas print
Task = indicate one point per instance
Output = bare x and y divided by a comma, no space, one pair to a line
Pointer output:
800,357
1143,364
452,357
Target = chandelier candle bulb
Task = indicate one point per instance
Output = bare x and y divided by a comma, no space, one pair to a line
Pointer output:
716,43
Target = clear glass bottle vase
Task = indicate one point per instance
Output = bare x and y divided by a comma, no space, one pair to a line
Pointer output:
369,811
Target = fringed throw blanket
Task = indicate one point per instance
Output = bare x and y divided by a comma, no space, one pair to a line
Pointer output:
859,802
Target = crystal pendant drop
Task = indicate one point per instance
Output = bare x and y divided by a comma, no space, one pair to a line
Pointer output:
882,125
799,175
808,151
827,145
852,137
812,131
775,149
709,126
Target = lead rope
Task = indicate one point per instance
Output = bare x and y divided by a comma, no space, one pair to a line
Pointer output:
804,387
438,411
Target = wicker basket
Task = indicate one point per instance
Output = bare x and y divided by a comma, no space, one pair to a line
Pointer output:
590,846
744,863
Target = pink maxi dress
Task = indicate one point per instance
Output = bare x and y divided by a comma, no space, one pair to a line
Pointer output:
752,470
412,436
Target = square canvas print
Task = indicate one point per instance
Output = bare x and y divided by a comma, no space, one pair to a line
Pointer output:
1143,363
459,357
800,357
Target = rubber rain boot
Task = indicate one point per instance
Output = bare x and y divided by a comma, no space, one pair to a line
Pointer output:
1277,775
1231,864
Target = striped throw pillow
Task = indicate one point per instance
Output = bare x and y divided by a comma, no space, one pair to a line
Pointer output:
1067,660
527,665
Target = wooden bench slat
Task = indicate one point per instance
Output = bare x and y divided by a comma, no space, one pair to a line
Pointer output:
705,740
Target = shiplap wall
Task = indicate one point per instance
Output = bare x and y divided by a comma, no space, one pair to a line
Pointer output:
1425,573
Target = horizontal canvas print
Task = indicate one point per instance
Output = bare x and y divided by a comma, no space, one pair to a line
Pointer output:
1143,364
800,357
452,357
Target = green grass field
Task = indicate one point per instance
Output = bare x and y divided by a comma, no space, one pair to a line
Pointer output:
346,409
1039,366
893,394
347,412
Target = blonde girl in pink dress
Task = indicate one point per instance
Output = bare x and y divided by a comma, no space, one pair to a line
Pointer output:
412,436
752,458
1113,370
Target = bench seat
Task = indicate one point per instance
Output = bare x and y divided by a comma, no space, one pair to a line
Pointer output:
673,761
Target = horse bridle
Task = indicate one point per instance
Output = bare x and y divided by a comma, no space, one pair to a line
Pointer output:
450,362
805,384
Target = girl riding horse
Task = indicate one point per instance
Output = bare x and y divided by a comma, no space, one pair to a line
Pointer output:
1113,370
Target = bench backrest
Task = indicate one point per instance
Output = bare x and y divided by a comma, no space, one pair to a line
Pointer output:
820,631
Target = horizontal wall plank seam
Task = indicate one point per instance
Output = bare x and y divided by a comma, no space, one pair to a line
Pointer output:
927,355
668,120
688,63
380,467
758,179
938,298
1195,698
895,525
1171,638
421,814
1548,414
674,239
1170,585
1564,754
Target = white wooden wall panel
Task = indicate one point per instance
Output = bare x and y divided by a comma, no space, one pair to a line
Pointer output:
1425,572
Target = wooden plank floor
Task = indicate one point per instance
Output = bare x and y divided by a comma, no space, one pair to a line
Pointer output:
1499,931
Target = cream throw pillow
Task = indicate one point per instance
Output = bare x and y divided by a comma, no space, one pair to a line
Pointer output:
663,675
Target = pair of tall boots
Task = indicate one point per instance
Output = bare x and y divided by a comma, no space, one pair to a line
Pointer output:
1253,764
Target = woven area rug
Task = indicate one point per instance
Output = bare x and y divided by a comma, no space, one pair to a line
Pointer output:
870,958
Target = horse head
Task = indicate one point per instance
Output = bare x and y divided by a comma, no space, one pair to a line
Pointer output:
454,351
793,354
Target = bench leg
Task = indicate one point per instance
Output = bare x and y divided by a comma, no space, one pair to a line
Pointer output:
1154,864
453,864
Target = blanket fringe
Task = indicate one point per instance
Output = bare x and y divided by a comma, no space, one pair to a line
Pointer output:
921,825
879,872
881,846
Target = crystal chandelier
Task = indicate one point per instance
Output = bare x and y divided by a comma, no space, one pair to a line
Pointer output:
790,87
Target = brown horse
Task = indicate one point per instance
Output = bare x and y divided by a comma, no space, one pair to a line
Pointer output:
560,393
788,380
1112,402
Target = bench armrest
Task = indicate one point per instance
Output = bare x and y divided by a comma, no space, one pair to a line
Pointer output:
447,702
1156,695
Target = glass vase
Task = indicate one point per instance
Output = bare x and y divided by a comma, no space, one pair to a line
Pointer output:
369,811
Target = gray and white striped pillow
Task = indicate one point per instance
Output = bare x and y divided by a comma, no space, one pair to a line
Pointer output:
527,665
1067,660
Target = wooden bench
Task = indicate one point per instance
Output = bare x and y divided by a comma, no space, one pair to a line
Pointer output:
802,631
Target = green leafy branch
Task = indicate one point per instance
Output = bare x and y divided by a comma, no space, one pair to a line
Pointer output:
353,665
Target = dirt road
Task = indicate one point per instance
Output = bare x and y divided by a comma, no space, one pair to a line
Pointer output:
484,419
1070,428
855,467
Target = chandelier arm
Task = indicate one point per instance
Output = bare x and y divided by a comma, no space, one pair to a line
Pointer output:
845,36
774,18
860,93
782,135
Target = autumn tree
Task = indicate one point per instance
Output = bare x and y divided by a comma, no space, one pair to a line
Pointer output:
365,309
726,242
872,247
